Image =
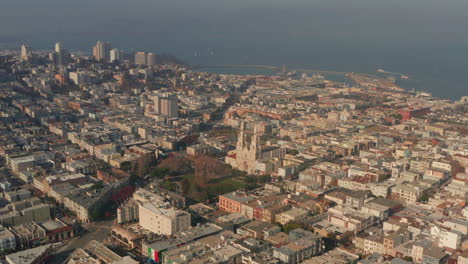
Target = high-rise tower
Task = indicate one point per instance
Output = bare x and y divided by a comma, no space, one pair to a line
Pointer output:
25,52
101,51
140,58
58,47
116,55
151,59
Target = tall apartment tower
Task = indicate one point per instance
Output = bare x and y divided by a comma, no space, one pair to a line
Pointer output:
151,59
116,55
140,58
101,51
25,52
58,47
59,56
166,105
169,106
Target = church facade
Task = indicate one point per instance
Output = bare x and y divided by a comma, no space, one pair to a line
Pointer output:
248,152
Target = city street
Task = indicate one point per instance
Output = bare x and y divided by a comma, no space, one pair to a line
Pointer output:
98,231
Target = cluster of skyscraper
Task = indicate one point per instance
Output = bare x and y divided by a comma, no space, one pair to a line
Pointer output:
60,56
102,52
143,58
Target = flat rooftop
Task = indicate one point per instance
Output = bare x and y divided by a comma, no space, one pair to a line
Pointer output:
28,256
53,224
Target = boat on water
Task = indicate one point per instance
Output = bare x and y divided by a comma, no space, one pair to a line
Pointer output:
404,77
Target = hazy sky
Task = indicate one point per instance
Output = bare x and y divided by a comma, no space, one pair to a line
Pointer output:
425,37
396,22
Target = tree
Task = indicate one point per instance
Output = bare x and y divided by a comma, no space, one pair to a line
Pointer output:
97,185
330,241
159,173
425,197
175,163
201,196
264,178
250,179
408,258
207,169
126,166
95,214
291,226
293,152
123,194
142,165
185,185
168,185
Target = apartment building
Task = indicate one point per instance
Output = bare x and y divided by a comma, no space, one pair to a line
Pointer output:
161,218
7,240
292,215
408,192
232,202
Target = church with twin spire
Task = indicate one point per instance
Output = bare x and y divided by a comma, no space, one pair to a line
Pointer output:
249,152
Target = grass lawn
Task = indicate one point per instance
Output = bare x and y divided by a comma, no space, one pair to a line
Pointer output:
179,173
193,191
168,185
233,184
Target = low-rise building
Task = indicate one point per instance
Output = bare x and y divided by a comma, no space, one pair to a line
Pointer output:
24,211
293,215
349,219
259,230
447,238
57,230
7,240
96,253
86,204
29,235
302,245
38,255
408,192
335,256
232,202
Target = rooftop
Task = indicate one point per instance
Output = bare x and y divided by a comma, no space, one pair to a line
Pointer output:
162,209
28,256
239,197
101,251
88,198
53,224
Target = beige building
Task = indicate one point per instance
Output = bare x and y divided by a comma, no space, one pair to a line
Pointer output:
162,218
463,258
128,212
249,154
140,58
97,253
101,51
408,192
7,239
350,219
374,244
169,106
151,59
293,215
